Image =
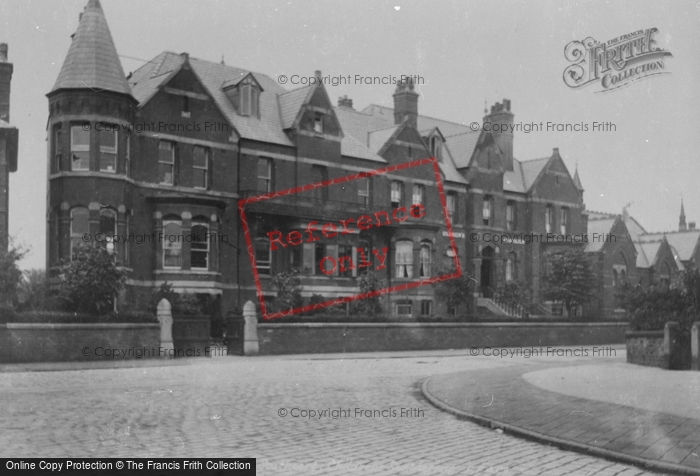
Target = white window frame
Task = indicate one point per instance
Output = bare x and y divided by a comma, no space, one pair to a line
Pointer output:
429,304
564,221
425,260
418,195
171,164
127,157
549,219
206,247
172,245
510,216
206,152
451,205
487,211
79,148
267,178
398,193
109,150
318,123
404,260
364,193
263,266
403,306
108,236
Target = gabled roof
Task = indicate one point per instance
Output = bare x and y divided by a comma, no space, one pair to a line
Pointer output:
360,125
577,181
290,104
447,128
92,61
377,139
647,253
598,227
148,79
462,147
684,242
531,170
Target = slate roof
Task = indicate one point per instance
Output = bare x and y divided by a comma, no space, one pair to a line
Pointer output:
684,242
462,147
647,253
577,181
600,226
377,139
447,128
290,103
531,170
92,60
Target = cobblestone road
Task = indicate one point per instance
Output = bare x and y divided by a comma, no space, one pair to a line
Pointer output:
231,407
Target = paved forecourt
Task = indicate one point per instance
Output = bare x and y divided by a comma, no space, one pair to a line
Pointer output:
331,415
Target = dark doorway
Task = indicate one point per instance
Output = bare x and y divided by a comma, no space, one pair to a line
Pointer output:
487,272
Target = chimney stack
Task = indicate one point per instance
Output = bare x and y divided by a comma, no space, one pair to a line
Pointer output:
503,134
406,103
691,225
344,101
5,78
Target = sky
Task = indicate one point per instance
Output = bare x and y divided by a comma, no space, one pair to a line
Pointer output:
468,53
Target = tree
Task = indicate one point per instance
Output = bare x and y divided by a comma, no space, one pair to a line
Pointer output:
370,282
288,284
515,293
570,279
91,281
34,291
10,274
454,292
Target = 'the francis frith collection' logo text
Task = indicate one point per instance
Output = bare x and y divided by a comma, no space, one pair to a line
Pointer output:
615,63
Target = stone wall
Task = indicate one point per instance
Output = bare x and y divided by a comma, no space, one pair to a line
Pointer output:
69,342
373,337
647,348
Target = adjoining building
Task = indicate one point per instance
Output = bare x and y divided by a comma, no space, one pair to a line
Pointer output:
169,150
9,137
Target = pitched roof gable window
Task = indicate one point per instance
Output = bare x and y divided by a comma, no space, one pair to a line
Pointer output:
244,95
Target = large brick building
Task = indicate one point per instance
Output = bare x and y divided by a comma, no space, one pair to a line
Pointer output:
8,145
202,135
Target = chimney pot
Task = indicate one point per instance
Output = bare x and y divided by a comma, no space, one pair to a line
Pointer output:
691,225
3,52
318,73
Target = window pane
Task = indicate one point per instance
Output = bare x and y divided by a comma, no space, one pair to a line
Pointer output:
165,173
80,138
199,178
80,161
424,261
172,244
417,195
108,222
404,259
79,221
165,152
200,157
108,162
108,139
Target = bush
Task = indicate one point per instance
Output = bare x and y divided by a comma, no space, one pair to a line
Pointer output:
10,274
91,281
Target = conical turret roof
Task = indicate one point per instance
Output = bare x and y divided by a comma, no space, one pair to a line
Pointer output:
92,61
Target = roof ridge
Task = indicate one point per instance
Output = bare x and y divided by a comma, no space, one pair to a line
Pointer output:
463,133
423,115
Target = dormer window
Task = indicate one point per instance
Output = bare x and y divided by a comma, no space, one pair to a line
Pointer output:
244,95
436,147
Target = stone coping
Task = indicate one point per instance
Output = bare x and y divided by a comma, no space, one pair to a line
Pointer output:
87,326
272,325
644,333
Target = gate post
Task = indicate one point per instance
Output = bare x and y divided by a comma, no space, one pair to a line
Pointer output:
250,330
695,346
165,318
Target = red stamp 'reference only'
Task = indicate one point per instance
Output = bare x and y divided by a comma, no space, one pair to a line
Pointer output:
329,229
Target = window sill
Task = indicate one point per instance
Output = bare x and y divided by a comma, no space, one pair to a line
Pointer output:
187,271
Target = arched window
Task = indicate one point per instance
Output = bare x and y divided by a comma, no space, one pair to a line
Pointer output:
199,247
108,228
404,259
487,210
424,271
615,282
172,243
79,225
263,257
